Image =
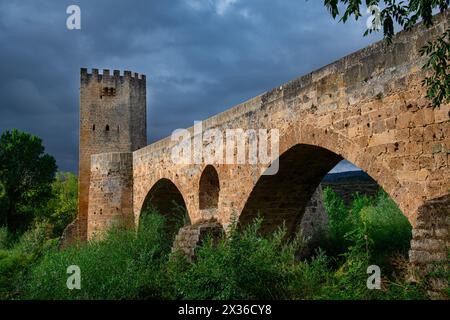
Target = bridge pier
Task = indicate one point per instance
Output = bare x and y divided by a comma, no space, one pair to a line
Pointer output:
430,245
191,237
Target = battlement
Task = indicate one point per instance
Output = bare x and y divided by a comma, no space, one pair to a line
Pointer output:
106,76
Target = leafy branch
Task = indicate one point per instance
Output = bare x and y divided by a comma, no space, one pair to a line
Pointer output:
406,14
438,84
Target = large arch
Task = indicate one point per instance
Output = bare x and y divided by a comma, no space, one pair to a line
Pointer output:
282,198
375,160
166,199
307,154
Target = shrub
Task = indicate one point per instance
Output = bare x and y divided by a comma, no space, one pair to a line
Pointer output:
4,238
35,240
13,266
311,277
62,209
124,265
16,259
388,227
340,222
370,231
241,266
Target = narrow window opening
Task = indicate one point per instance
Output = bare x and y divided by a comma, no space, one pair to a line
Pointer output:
209,189
107,127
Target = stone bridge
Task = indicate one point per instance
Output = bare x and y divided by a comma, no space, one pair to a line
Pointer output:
368,107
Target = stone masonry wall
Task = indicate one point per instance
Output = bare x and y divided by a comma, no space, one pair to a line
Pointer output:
431,244
191,237
315,218
431,240
110,193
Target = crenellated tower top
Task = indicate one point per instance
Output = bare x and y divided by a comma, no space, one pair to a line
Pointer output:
112,119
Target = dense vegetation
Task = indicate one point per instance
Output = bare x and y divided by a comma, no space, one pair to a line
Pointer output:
36,204
26,176
19,251
243,265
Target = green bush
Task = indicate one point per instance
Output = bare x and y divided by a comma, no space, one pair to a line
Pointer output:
311,277
13,266
4,238
241,266
376,231
388,227
62,208
385,225
124,265
16,259
36,240
340,222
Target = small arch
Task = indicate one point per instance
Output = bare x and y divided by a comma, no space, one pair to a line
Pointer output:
93,127
209,189
107,127
166,199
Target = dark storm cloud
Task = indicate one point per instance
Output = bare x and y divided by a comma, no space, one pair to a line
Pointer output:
200,56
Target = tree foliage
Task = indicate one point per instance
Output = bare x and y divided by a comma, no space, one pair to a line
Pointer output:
438,83
26,173
406,14
61,209
2,199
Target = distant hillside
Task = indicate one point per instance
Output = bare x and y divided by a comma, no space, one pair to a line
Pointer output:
348,175
349,182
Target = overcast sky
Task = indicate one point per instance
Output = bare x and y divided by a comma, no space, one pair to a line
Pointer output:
201,57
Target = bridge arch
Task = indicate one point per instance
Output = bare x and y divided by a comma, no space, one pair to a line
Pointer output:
283,197
165,198
307,154
209,189
374,159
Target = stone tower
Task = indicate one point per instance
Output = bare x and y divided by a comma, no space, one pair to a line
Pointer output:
112,120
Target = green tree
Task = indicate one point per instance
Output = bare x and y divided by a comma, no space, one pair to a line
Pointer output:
2,191
2,199
61,209
27,174
406,14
